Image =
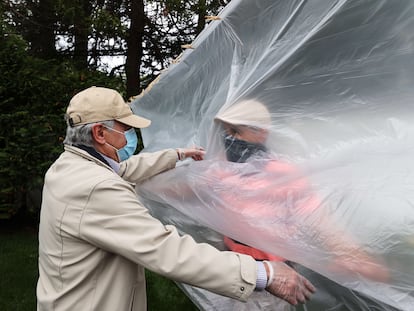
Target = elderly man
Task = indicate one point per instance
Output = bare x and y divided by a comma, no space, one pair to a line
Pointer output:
96,238
245,127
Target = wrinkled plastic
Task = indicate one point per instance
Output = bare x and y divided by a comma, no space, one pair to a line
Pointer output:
333,192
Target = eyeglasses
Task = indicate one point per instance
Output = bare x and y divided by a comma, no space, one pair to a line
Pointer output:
112,129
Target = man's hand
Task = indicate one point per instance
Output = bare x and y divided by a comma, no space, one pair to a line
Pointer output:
288,284
358,263
196,153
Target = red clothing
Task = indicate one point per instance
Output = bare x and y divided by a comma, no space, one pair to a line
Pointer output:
248,250
276,192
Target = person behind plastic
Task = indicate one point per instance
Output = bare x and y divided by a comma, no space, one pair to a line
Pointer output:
96,238
245,128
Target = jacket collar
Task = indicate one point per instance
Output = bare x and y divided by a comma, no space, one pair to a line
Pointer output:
91,155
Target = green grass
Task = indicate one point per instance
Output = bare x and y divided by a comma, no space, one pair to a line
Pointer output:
163,294
19,273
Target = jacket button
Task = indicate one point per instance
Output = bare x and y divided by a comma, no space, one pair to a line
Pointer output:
242,289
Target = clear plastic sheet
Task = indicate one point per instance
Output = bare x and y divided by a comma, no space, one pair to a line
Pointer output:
332,191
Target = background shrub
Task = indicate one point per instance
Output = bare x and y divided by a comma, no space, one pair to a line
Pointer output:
34,94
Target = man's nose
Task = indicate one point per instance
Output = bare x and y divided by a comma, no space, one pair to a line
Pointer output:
237,136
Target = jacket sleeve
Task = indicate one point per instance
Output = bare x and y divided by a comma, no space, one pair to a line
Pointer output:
114,220
145,165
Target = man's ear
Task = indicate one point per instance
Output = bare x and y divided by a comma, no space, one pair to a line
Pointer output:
98,134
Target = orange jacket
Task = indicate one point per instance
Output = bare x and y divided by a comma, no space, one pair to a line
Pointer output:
280,191
248,250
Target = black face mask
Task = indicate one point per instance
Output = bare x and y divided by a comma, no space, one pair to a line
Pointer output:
239,150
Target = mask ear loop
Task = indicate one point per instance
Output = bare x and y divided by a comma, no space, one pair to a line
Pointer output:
112,129
117,150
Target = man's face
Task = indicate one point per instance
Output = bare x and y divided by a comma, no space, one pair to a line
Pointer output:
113,139
116,138
247,133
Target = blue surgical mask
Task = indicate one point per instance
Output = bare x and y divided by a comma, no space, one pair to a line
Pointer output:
128,150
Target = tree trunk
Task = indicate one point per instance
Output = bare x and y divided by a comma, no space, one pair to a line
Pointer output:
202,12
41,32
134,52
81,33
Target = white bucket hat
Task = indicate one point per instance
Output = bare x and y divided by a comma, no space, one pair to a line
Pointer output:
247,112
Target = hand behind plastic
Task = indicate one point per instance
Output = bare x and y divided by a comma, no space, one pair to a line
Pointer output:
358,263
289,285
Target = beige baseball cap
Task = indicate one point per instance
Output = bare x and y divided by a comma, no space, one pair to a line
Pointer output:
246,112
97,104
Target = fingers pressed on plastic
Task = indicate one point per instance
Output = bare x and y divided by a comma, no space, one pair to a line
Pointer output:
289,285
309,286
196,153
301,297
309,289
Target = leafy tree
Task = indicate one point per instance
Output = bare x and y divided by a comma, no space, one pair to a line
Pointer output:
33,96
147,34
171,24
51,49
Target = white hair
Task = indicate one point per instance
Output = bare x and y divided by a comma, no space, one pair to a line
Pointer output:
82,134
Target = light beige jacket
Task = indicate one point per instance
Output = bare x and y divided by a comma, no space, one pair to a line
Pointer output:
96,238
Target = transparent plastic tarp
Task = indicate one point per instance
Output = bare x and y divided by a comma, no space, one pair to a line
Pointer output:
329,84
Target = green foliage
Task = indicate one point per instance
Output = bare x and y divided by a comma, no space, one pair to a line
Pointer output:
33,96
108,25
37,81
18,270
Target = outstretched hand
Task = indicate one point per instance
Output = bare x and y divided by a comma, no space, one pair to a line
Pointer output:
359,263
196,153
288,284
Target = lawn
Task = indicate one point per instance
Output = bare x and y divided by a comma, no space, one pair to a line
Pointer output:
18,276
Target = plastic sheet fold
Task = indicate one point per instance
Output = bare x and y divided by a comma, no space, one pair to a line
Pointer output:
324,92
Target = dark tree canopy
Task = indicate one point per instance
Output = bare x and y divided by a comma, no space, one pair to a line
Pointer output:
144,35
51,49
